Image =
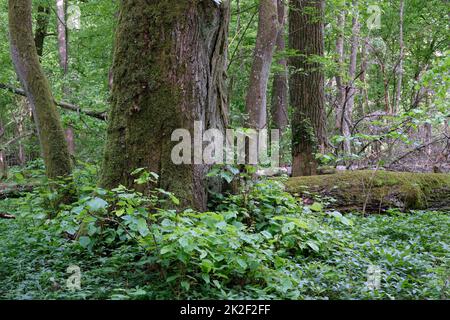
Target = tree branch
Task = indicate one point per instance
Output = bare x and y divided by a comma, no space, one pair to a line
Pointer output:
61,104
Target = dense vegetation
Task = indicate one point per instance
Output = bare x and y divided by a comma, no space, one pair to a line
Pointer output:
284,250
91,92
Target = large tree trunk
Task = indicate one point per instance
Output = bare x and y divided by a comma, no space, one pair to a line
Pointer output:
306,35
168,69
376,191
398,94
256,100
26,62
279,108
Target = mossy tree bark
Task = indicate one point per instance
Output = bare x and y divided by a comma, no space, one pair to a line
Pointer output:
26,62
168,72
306,35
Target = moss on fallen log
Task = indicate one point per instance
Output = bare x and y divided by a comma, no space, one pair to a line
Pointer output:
376,191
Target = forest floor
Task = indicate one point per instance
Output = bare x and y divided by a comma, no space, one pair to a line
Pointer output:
262,243
411,252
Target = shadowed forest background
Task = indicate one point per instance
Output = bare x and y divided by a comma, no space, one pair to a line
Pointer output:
93,207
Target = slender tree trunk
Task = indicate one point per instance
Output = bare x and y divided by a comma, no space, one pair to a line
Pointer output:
351,88
26,62
279,109
3,163
340,98
24,107
70,140
168,69
306,35
387,103
62,34
42,21
398,95
364,66
256,105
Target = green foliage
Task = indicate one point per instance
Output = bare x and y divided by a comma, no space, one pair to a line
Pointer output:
262,244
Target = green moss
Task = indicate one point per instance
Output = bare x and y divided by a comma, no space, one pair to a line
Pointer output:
383,188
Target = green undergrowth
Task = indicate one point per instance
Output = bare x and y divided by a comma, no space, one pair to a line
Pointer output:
261,243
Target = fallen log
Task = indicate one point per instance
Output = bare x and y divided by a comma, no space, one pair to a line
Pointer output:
376,191
14,190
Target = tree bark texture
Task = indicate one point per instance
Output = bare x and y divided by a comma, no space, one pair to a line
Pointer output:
168,68
306,35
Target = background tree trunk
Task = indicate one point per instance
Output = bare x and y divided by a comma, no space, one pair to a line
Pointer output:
280,118
3,163
351,86
255,101
398,95
306,35
62,34
364,67
168,69
26,62
340,98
